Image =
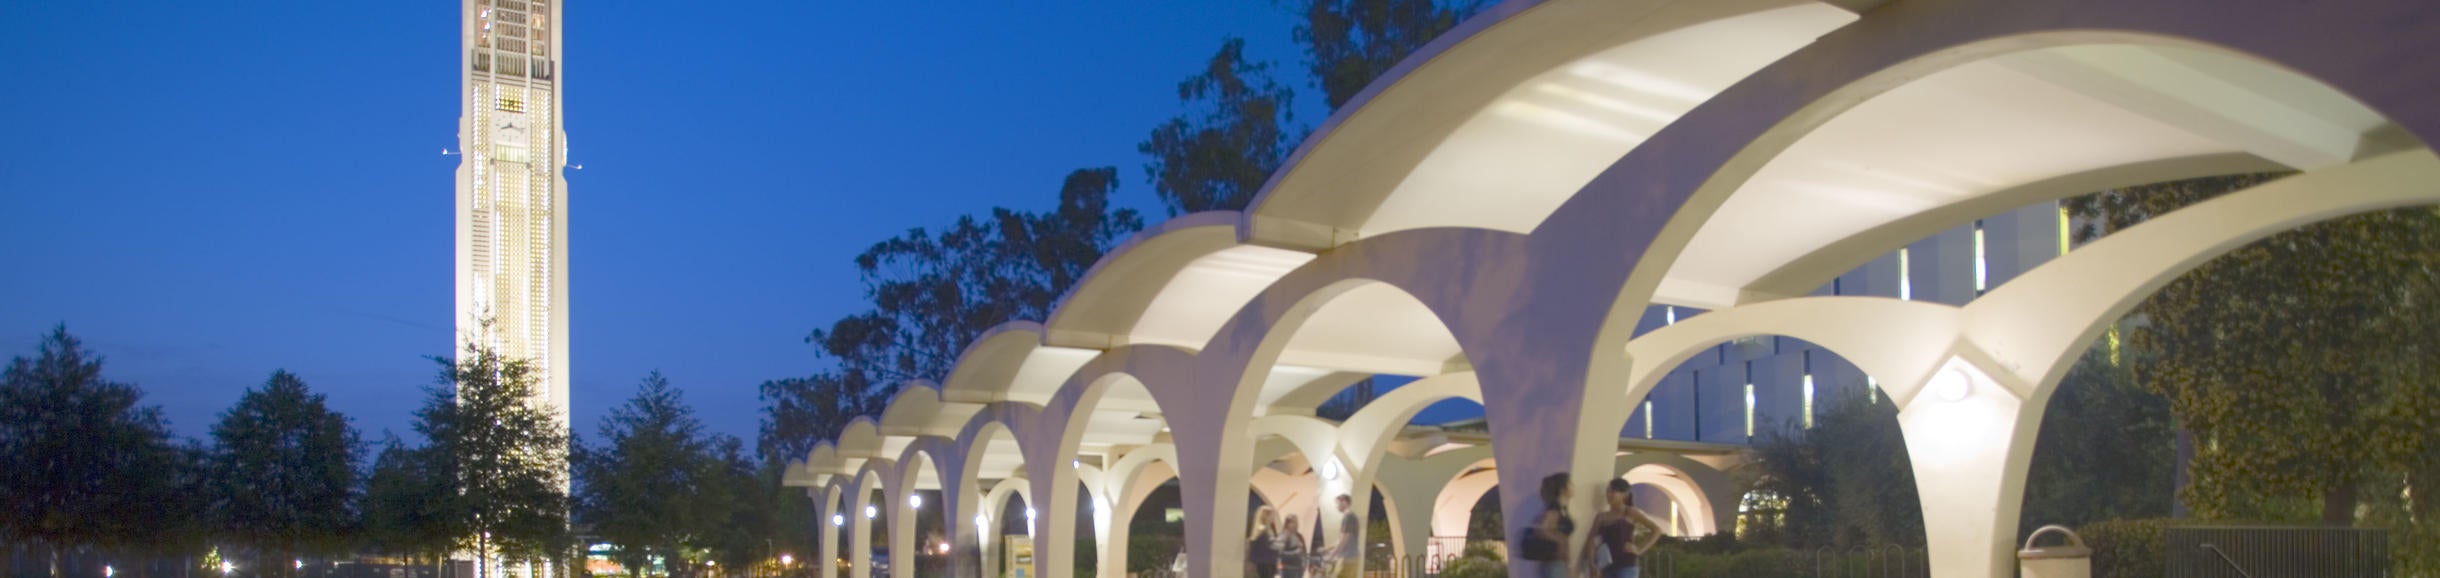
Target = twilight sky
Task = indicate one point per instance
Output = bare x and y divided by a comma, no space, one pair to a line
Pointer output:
207,191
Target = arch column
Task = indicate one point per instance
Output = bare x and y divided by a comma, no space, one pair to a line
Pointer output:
902,530
824,507
1135,477
860,539
1413,488
1960,449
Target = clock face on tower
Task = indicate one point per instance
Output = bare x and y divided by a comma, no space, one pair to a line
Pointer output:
509,128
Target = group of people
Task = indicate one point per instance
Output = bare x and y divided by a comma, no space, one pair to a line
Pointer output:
1611,550
1278,549
1621,534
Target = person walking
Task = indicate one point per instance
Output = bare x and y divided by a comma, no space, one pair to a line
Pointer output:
1351,543
1261,547
1292,551
1546,541
1614,534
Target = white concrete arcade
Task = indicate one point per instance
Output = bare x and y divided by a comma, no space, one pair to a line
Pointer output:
1496,213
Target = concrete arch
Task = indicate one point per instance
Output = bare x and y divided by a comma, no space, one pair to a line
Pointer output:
1453,510
1979,446
1742,128
1254,338
1009,420
1411,506
1706,492
1150,368
996,503
1499,79
1898,341
1315,439
983,371
1366,435
1907,40
925,453
831,516
873,477
2035,328
1121,288
861,439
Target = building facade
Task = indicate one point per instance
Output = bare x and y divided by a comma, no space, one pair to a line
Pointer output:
512,200
1748,387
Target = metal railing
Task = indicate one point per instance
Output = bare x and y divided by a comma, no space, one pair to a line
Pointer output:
1856,562
1880,562
2268,552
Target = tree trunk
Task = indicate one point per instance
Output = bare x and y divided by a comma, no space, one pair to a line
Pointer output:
2338,505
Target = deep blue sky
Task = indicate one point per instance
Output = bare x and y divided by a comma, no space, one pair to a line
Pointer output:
207,191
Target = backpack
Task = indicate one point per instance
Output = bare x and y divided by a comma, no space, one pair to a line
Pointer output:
1538,548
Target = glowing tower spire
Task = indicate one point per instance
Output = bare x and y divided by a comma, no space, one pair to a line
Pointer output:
512,200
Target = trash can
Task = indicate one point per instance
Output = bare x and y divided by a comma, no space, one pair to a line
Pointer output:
2069,560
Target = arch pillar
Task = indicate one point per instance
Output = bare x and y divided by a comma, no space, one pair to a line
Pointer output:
1133,485
1960,448
1709,493
901,518
825,506
860,538
1453,510
1412,489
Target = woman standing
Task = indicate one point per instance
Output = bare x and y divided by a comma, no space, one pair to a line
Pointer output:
1614,533
1261,551
1291,550
1547,546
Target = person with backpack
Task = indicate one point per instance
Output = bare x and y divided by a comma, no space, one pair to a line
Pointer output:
1546,540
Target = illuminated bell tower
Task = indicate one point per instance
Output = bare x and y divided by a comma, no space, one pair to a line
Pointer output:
512,200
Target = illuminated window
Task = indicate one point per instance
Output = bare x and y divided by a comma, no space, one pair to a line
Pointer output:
509,102
1647,419
1982,269
2062,229
1808,401
1906,281
1749,409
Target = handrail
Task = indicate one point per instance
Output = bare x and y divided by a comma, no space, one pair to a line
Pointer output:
2232,562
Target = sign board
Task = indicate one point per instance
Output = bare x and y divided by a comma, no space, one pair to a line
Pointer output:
1020,556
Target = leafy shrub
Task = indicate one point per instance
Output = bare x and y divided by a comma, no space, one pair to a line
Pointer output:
1481,560
2128,548
1152,551
1484,549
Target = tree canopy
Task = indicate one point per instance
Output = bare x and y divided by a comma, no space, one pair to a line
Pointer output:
284,472
81,462
653,485
1237,128
1348,43
2300,363
932,293
504,458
